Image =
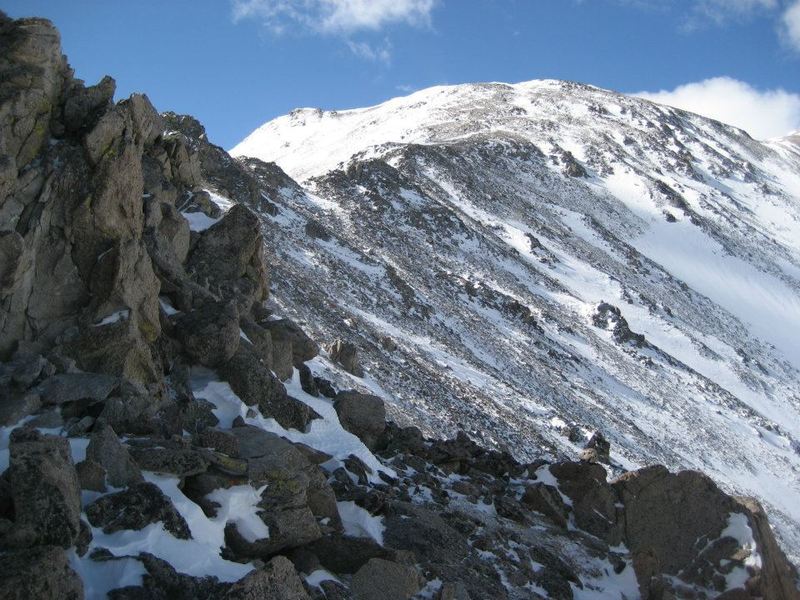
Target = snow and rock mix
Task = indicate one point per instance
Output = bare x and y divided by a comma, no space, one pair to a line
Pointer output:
169,430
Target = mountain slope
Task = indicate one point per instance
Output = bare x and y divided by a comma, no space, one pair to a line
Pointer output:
575,260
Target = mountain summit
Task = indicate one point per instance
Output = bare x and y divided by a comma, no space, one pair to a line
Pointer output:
569,259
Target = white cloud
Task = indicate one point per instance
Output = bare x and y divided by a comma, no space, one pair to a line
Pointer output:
336,16
382,53
791,25
722,10
763,114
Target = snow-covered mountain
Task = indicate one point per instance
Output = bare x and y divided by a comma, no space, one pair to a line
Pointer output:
537,261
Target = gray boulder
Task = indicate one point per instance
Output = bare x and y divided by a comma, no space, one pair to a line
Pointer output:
363,415
42,573
385,580
45,491
106,450
277,580
228,258
210,334
255,384
303,347
71,387
346,354
182,462
135,508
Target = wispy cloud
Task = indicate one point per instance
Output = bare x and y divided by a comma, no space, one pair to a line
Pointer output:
721,11
791,25
762,113
375,53
342,17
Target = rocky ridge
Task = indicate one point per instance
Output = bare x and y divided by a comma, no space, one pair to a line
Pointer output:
166,435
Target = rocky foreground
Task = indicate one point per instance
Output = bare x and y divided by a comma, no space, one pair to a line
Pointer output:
165,434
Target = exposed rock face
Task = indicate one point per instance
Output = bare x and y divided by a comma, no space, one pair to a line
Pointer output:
44,491
106,450
346,354
384,580
277,579
41,572
361,414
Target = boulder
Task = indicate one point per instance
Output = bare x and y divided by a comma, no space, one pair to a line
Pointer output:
182,462
91,475
344,554
545,499
106,450
346,354
296,493
385,580
228,258
210,334
307,382
363,415
44,489
72,387
114,348
255,384
260,338
282,353
593,499
303,347
42,573
136,508
162,582
275,580
674,525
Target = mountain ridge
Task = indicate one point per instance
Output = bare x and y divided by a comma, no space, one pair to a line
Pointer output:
686,227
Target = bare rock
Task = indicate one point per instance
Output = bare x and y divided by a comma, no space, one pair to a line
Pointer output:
106,450
45,490
135,508
346,354
42,573
384,580
277,580
363,415
210,333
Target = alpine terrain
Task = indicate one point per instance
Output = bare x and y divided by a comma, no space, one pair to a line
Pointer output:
487,341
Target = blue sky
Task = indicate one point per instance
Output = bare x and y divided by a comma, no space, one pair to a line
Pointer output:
238,63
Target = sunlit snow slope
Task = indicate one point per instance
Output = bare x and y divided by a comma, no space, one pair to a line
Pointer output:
498,247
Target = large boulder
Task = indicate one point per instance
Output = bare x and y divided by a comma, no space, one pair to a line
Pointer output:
106,450
363,415
72,387
346,354
135,508
303,348
385,580
255,384
593,499
277,580
45,491
42,573
684,533
228,258
296,493
210,334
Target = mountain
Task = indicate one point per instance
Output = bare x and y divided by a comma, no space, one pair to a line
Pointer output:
539,261
168,430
